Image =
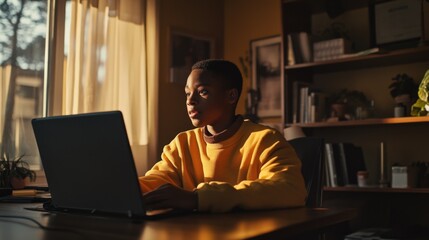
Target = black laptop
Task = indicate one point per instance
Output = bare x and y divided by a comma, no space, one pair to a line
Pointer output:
88,164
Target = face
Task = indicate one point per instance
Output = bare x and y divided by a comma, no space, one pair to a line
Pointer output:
207,102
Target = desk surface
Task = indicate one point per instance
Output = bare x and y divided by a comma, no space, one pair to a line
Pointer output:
272,224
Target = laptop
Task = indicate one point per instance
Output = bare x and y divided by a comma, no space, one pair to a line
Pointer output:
88,164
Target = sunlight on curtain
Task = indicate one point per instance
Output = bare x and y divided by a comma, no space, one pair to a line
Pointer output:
106,62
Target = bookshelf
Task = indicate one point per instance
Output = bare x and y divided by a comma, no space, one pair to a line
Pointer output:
370,74
369,121
376,190
404,137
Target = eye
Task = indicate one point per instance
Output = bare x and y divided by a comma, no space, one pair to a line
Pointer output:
187,94
203,92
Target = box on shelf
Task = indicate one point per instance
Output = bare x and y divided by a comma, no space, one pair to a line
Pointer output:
403,176
331,49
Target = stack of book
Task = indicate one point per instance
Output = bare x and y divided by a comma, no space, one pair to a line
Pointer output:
342,162
308,103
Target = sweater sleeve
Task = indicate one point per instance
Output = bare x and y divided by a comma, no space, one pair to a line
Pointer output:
164,171
280,183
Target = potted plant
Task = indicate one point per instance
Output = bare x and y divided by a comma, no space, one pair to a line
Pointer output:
403,89
421,106
347,104
337,105
14,172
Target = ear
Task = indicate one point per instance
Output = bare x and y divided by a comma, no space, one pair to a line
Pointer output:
232,95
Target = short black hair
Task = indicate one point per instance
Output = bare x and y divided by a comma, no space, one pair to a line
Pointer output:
226,71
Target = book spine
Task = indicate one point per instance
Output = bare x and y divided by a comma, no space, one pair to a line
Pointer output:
291,55
343,163
327,176
338,165
329,153
303,104
425,21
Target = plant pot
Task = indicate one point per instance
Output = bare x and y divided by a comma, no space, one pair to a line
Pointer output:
338,110
18,183
405,101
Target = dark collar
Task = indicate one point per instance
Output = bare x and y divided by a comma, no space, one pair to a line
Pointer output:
225,134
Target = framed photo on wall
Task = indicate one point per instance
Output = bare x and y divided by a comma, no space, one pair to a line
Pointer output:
267,74
185,50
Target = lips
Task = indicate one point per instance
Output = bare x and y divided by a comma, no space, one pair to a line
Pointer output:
193,113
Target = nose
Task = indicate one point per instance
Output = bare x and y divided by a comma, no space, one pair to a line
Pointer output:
191,99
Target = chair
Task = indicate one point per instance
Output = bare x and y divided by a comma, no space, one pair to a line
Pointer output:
311,152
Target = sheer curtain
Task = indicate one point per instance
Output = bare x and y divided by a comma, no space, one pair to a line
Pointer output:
106,67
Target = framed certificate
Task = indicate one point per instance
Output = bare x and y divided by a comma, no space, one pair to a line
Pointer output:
396,21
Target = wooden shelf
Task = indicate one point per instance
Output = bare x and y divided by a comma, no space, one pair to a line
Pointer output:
376,190
319,6
365,122
403,56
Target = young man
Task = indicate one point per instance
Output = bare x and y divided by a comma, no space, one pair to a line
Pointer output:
225,162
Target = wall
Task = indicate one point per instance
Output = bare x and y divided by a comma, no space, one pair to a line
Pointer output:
196,17
232,23
246,20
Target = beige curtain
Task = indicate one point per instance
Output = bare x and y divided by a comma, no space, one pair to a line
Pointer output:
107,65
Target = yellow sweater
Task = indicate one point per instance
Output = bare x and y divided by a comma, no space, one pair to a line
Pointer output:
256,168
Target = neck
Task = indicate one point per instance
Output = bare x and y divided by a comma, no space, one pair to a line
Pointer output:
216,129
225,134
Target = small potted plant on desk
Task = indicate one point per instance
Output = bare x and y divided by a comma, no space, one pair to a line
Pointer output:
14,172
403,90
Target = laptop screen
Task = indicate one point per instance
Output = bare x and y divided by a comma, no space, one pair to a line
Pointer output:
88,162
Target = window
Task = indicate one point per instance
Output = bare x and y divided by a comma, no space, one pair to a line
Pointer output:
23,27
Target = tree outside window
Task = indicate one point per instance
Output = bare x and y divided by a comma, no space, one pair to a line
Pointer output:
22,52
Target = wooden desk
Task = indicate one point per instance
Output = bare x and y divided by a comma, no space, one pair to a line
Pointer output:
273,224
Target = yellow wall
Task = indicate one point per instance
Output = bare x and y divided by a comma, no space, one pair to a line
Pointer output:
232,23
196,17
246,20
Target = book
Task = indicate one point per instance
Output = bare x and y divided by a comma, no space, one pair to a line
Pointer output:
305,47
425,12
291,55
342,162
329,155
350,162
341,171
316,105
309,103
303,105
296,100
300,46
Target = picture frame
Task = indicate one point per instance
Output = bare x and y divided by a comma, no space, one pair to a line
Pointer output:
266,62
396,23
185,50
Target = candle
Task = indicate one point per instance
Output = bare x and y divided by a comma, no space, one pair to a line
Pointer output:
382,160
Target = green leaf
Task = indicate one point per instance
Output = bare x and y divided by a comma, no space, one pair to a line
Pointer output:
418,108
424,88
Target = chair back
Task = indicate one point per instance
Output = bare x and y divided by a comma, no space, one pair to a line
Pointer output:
311,152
